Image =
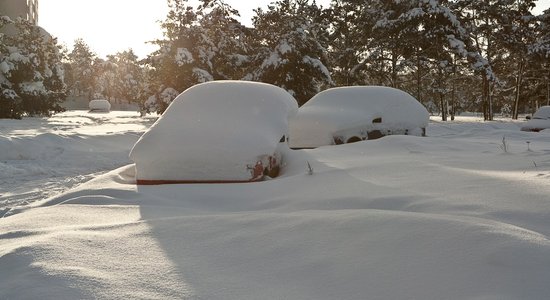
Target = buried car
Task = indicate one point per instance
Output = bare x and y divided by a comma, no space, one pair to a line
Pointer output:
217,132
539,121
100,105
355,113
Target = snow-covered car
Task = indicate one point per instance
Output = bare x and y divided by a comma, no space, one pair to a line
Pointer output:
99,105
351,114
217,132
539,121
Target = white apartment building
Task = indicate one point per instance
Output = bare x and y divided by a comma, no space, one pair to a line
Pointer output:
27,9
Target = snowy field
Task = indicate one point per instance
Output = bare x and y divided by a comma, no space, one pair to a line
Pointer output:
41,157
460,214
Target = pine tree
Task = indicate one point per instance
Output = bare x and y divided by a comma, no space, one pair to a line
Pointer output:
32,73
201,44
106,77
349,41
486,20
518,34
395,33
290,54
222,48
539,50
129,76
8,97
82,80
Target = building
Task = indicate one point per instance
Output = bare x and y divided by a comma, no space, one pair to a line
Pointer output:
27,9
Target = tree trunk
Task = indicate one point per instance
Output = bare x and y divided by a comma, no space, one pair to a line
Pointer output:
444,106
394,69
418,80
453,82
453,108
490,100
485,98
519,81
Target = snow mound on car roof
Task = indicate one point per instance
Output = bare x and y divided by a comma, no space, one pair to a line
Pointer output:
213,131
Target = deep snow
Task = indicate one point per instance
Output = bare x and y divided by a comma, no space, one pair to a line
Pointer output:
215,131
41,157
460,214
351,112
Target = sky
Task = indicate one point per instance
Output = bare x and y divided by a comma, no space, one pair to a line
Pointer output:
111,26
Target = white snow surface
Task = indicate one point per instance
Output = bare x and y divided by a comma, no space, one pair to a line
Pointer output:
354,109
215,131
448,216
41,157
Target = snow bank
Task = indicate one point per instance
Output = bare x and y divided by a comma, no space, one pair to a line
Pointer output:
350,111
450,216
214,131
42,157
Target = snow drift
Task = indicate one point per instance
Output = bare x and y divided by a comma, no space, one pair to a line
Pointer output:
449,216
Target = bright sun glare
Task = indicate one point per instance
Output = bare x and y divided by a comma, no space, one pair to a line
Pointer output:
107,26
110,26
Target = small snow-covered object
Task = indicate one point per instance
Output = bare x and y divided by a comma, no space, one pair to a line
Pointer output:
539,121
351,114
219,131
100,105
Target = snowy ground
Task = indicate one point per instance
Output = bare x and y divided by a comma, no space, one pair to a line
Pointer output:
459,214
42,157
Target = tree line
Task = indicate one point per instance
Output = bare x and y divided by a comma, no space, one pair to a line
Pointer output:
491,57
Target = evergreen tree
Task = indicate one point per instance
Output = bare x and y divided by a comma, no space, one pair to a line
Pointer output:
222,50
106,76
171,66
427,38
129,76
349,40
289,53
32,72
539,51
82,80
487,22
201,44
395,33
518,34
8,96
